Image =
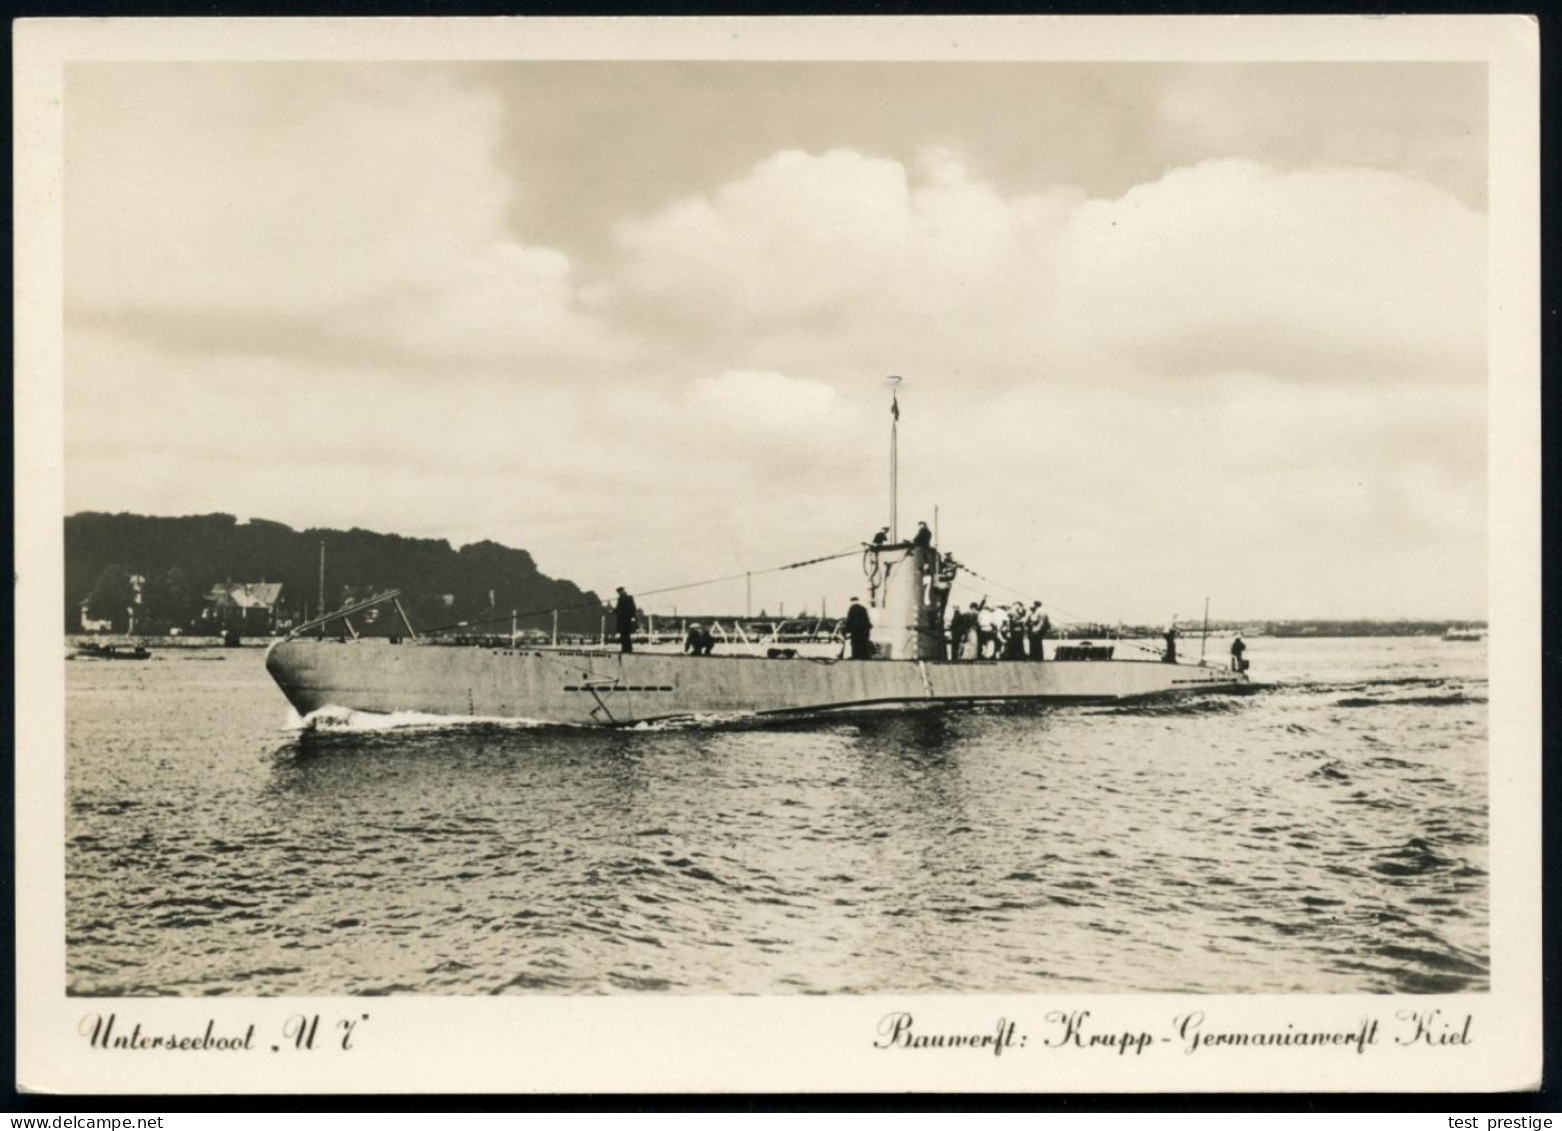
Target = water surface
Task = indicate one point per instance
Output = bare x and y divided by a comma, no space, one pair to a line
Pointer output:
1328,835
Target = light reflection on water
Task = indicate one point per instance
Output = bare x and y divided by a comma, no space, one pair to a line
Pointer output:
1328,835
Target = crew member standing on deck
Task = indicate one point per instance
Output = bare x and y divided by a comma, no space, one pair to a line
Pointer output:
1037,625
1014,647
858,627
1237,648
986,631
1003,621
924,536
882,536
1000,631
627,617
959,625
1170,656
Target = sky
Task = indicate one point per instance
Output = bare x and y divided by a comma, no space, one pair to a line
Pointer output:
1165,331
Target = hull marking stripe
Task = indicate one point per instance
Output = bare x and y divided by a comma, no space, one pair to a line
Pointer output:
621,687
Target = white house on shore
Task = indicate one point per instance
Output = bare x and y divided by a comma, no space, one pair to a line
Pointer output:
248,605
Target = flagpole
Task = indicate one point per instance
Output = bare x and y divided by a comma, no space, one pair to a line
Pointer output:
894,459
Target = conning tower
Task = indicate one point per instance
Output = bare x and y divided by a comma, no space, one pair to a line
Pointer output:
907,622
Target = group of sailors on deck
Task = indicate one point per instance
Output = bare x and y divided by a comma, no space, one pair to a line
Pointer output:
999,632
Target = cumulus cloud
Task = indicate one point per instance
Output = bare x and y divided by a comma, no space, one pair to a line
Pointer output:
505,305
322,210
755,247
1338,274
1334,274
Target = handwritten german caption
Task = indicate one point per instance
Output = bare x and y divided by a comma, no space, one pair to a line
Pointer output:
1186,1034
299,1032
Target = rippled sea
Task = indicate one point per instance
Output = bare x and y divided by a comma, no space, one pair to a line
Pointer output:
1326,835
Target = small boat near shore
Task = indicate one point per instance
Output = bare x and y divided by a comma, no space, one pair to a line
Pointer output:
111,652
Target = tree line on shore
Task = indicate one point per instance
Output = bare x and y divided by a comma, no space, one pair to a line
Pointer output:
161,571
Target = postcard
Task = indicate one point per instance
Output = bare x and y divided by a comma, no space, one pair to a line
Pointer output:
752,555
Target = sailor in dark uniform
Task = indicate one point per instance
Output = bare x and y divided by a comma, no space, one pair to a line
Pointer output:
1237,648
858,627
1037,625
960,624
882,536
625,615
1014,644
699,641
1170,635
924,536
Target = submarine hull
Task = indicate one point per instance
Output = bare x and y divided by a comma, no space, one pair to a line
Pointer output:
616,689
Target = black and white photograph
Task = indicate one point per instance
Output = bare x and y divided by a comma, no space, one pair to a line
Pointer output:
620,530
